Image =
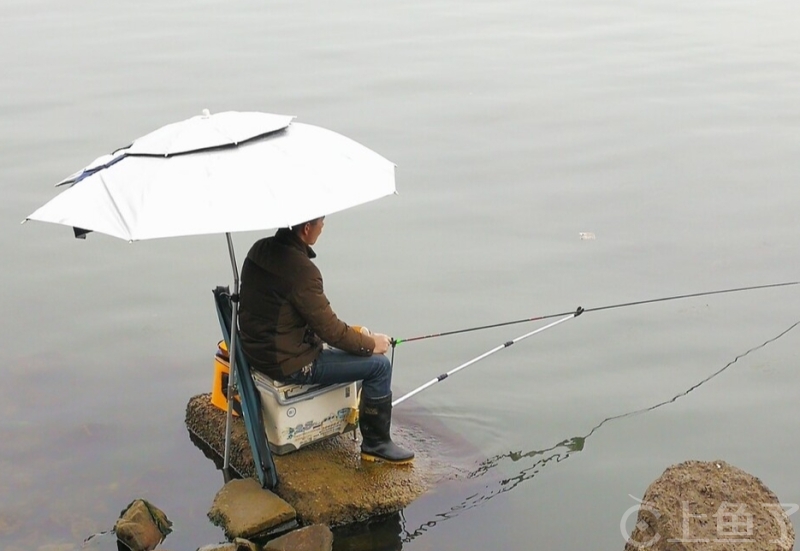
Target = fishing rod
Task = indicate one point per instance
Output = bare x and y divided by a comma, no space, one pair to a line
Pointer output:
444,376
395,342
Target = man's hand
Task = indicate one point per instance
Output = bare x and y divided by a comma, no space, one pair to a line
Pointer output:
382,343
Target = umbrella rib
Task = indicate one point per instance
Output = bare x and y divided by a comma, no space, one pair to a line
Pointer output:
117,210
231,145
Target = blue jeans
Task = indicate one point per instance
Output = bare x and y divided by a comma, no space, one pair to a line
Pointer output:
337,366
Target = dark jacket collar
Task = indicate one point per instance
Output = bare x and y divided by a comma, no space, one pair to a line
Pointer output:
287,237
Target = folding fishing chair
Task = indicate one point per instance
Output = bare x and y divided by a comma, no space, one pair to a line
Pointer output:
250,399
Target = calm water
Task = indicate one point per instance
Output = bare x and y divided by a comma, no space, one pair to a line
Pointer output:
670,130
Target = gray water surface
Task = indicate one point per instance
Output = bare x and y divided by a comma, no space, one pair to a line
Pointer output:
668,130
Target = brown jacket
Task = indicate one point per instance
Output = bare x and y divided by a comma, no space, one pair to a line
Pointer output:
284,315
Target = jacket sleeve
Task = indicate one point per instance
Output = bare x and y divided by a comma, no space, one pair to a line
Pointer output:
310,301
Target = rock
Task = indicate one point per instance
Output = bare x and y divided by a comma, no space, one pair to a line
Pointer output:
317,537
142,526
244,509
710,506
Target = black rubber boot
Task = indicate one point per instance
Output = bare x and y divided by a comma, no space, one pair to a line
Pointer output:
375,422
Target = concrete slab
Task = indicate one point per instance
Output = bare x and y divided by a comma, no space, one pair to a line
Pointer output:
245,510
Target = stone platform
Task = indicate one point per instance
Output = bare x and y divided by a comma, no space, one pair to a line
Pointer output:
327,483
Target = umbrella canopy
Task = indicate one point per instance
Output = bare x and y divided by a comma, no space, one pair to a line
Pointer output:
277,179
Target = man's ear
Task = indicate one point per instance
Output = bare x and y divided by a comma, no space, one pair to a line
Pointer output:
305,231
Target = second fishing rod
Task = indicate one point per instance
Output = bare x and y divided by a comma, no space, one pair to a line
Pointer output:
395,342
564,316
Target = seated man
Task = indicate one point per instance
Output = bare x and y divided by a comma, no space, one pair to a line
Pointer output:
284,317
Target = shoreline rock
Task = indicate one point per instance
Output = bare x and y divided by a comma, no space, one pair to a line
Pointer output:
710,506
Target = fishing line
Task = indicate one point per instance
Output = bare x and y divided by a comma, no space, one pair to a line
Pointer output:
562,451
395,342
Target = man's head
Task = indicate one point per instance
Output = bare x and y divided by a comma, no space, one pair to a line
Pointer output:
309,232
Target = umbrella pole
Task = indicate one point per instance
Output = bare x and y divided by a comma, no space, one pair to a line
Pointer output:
231,356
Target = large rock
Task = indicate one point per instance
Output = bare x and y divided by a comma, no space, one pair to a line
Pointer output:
710,506
244,510
142,526
326,482
310,538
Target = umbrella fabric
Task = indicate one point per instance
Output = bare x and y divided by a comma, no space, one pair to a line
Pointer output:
281,179
200,133
207,131
100,163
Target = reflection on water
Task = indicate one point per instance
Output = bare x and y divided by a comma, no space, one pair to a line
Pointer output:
103,541
219,461
207,450
382,534
549,456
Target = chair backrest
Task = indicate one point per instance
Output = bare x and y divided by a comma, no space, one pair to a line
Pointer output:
252,413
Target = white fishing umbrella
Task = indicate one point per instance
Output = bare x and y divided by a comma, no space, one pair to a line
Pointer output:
285,177
220,173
